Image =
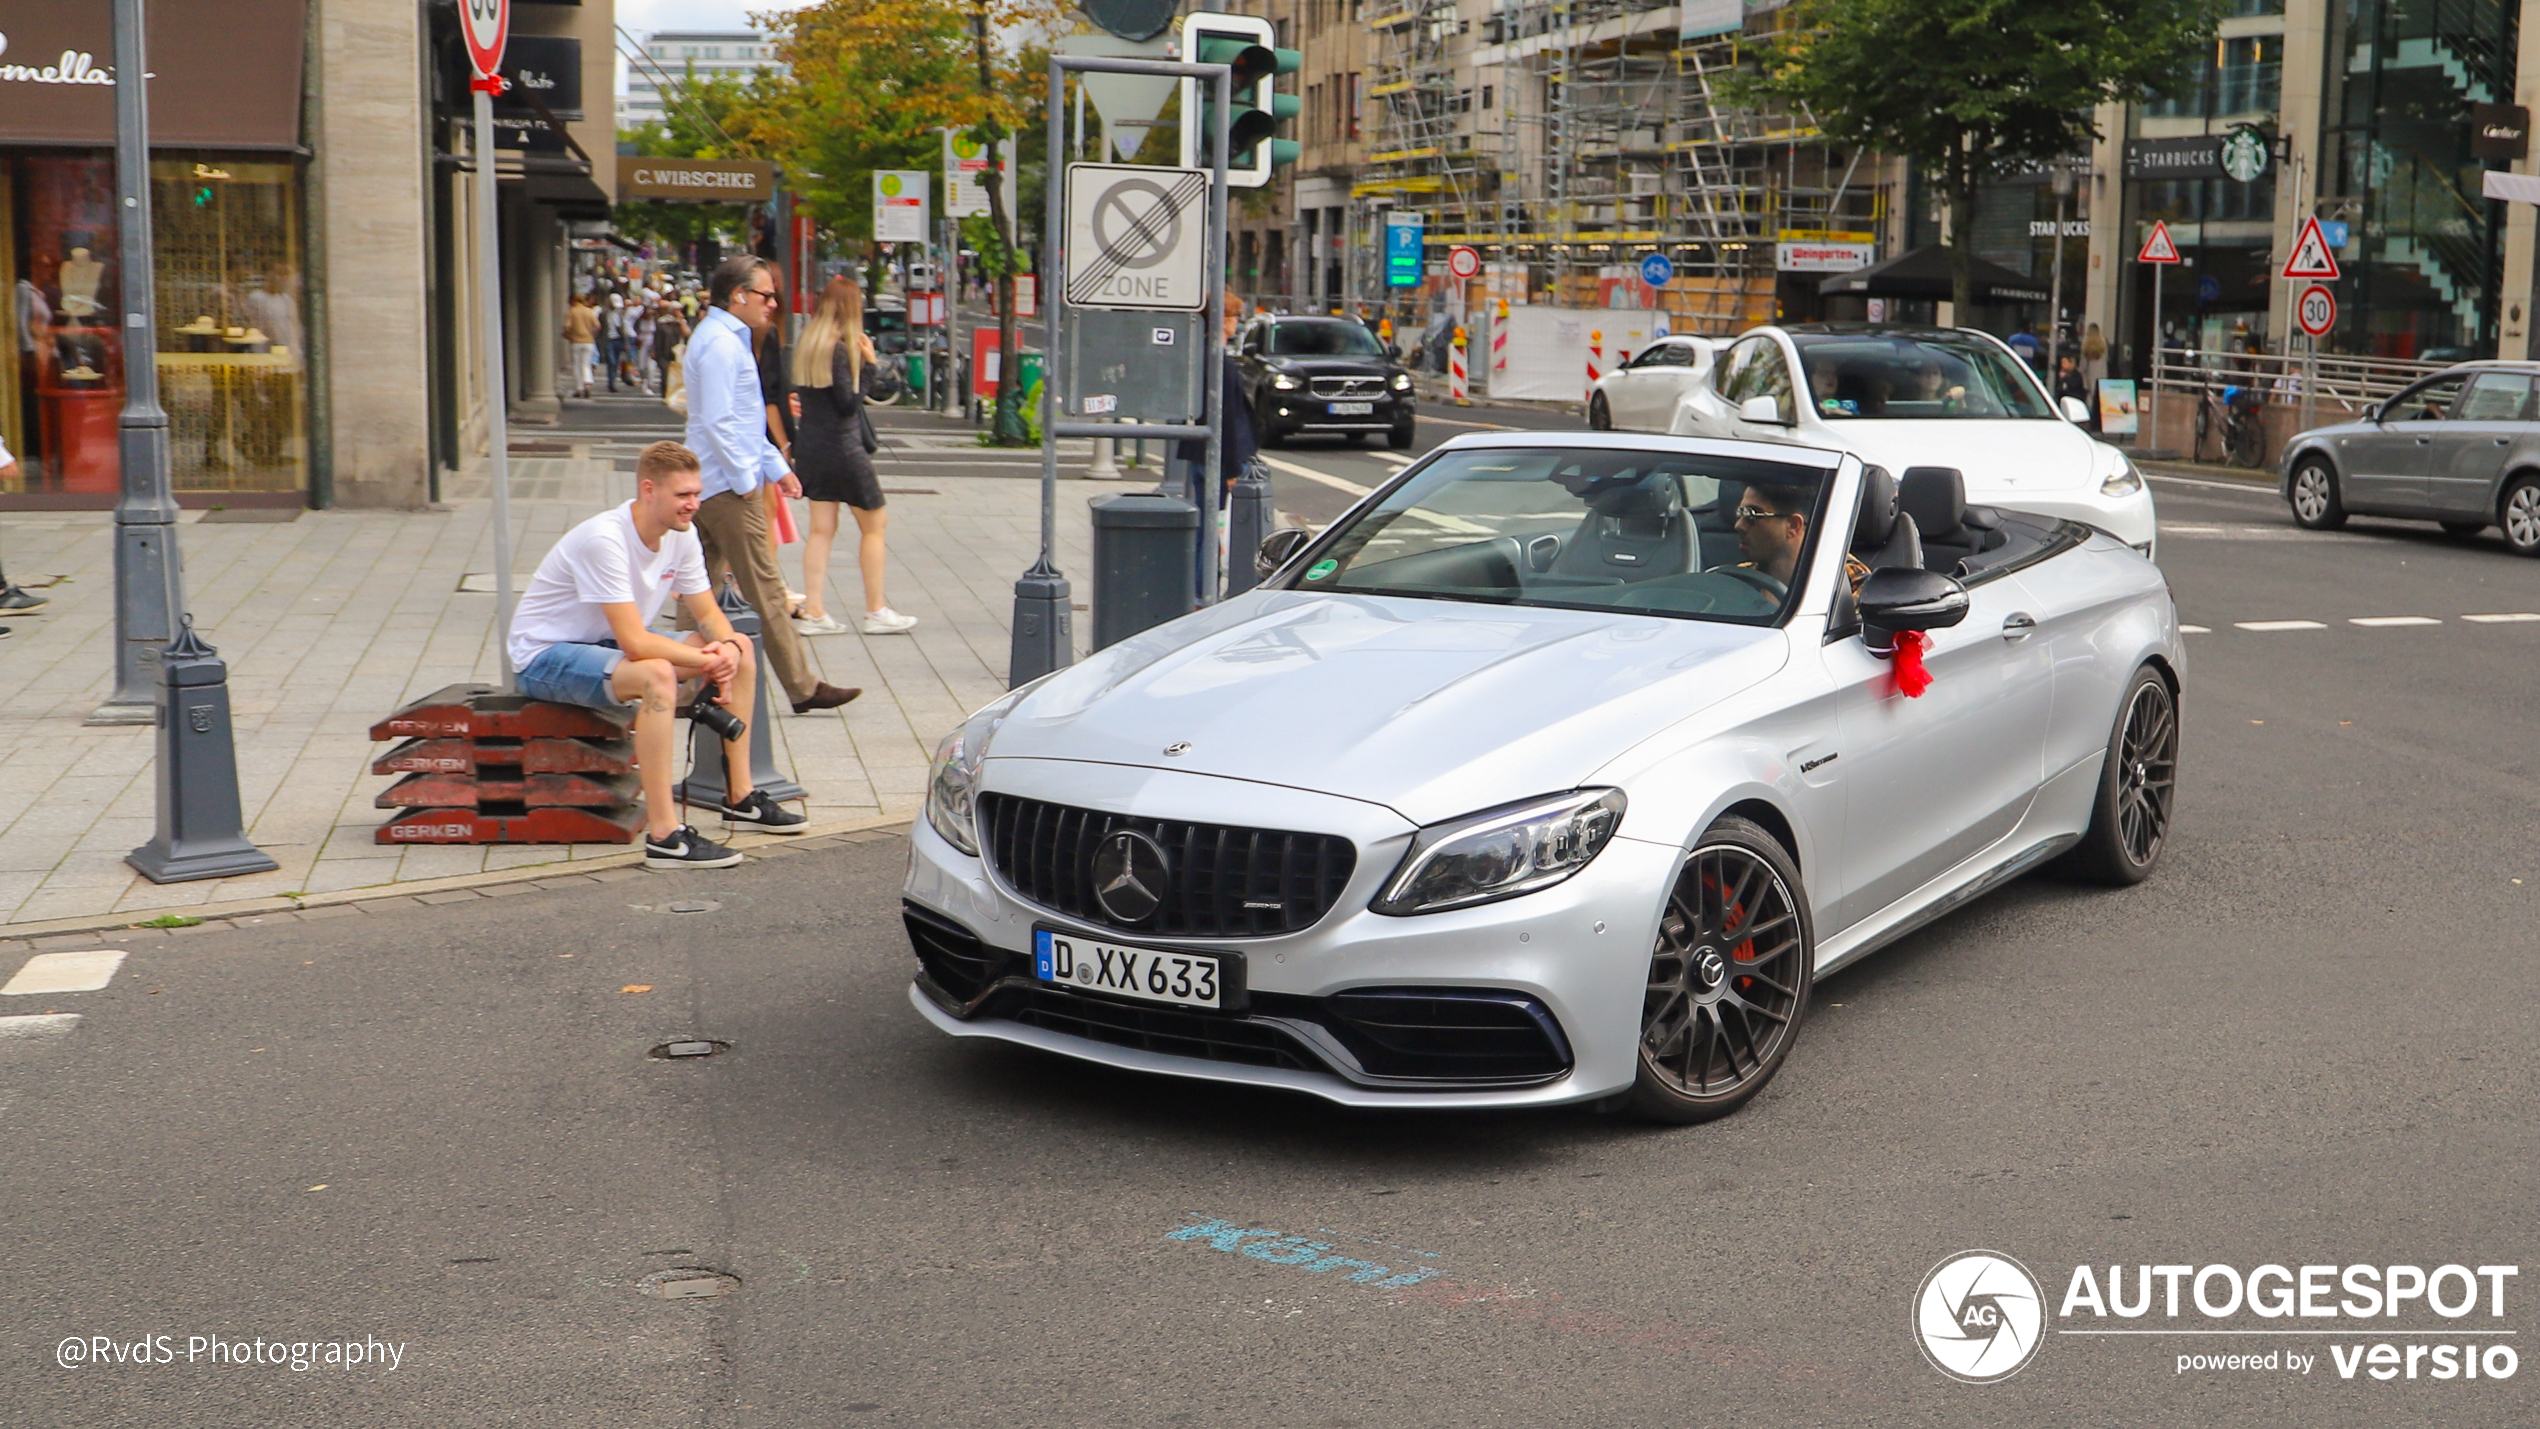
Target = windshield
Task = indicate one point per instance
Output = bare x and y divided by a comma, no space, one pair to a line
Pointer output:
1330,338
1899,376
1663,533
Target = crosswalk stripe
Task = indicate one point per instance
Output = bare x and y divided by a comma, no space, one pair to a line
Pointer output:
64,972
2195,630
2264,625
37,1026
1310,474
2510,618
2379,622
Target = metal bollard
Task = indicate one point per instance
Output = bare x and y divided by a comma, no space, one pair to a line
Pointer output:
200,831
1248,519
1145,563
704,784
1105,467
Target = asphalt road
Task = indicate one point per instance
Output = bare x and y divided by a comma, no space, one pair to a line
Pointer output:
2307,1040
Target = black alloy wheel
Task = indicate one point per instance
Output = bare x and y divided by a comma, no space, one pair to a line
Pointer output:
2316,503
1600,416
2130,821
1728,980
2518,512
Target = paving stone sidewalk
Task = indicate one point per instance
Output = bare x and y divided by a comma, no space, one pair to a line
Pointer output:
331,620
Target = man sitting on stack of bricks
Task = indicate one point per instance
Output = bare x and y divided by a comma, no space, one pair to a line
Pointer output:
582,636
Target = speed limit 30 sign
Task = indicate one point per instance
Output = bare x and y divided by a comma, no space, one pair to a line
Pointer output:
2316,311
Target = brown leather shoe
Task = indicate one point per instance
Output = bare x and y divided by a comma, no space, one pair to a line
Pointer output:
824,696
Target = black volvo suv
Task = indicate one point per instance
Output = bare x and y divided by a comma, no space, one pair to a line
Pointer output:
1317,375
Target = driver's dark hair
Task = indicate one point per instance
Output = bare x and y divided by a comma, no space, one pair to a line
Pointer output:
731,274
1783,496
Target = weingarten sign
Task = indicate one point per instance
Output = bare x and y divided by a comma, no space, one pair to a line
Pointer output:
697,180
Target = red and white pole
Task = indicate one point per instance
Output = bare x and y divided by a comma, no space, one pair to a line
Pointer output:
1499,346
1595,362
1459,385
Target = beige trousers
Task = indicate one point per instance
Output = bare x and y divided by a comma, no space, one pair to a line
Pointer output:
734,532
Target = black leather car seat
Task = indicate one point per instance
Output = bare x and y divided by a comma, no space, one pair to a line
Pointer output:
1883,536
1715,527
1633,530
1951,530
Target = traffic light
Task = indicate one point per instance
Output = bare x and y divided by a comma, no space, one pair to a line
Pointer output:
1244,43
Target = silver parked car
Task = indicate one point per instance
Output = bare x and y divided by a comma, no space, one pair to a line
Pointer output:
2461,447
1555,771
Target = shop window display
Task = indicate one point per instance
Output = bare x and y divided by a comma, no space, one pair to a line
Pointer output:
230,341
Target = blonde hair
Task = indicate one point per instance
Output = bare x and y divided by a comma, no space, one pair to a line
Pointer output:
662,460
837,318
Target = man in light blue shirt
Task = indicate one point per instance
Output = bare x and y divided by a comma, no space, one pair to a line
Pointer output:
727,429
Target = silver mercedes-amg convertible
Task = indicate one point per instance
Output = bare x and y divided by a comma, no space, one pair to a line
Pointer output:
1555,771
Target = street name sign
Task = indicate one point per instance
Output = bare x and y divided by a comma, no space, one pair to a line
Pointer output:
1137,236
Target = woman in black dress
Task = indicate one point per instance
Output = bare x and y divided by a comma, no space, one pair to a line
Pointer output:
833,454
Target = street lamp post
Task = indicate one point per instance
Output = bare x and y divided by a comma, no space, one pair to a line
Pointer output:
149,582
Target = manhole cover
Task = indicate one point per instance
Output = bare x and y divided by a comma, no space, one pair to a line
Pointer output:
688,1282
689,1047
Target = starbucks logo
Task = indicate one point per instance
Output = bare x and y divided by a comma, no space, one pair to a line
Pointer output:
2245,154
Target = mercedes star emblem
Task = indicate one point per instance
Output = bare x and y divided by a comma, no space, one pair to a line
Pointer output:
1130,874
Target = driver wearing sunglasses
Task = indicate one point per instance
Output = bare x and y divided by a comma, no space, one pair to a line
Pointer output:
1772,529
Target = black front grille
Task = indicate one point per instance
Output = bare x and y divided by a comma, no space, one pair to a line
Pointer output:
1225,882
1330,387
1214,1036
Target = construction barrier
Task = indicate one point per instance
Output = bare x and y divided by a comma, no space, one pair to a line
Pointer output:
1539,353
482,766
1459,385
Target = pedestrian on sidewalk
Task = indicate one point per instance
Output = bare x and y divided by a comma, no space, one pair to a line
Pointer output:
14,599
1241,447
727,426
670,334
613,334
582,338
833,454
581,636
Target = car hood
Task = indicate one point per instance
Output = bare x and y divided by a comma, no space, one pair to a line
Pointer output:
1431,708
2000,459
1330,366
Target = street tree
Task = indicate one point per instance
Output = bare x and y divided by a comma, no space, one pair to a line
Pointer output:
1973,89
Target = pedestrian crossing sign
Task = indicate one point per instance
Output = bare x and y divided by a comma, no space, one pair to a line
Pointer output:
2158,248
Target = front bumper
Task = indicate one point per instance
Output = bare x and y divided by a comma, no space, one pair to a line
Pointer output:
1301,412
1578,951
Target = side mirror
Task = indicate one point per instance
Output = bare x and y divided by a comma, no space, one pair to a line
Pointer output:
1763,410
1276,548
2076,412
1895,598
2372,413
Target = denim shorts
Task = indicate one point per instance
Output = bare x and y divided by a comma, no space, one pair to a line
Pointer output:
571,674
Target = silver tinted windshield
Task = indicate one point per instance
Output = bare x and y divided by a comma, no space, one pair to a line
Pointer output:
1663,533
1911,376
1333,337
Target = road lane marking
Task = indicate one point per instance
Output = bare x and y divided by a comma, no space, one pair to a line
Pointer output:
64,972
2241,486
42,1026
1395,458
2265,625
2510,618
2195,630
2378,622
1310,474
1485,426
2172,528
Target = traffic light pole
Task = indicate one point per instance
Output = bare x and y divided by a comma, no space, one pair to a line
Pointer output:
1043,638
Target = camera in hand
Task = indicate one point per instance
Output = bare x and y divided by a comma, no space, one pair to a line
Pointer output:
725,724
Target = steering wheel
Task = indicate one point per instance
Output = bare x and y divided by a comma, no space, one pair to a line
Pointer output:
1773,590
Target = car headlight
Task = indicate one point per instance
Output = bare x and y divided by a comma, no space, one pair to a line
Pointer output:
2124,481
952,791
1501,853
1402,382
1284,382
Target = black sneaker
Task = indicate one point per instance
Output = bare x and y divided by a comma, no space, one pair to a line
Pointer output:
14,597
757,811
686,848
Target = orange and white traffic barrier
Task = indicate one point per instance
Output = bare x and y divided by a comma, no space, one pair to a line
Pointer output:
1596,360
1459,386
1499,346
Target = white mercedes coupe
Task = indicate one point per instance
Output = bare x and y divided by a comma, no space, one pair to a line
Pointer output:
1553,772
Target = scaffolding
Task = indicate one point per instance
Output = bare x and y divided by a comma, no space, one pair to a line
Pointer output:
1574,137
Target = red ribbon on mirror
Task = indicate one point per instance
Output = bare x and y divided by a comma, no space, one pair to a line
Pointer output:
1911,678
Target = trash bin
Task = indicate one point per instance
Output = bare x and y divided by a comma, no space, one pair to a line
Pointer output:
1145,563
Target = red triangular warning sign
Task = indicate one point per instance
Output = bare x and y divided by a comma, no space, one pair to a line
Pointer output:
2311,256
2158,248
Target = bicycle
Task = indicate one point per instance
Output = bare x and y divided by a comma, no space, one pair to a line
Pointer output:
2231,414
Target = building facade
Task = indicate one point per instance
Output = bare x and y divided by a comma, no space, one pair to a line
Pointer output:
667,58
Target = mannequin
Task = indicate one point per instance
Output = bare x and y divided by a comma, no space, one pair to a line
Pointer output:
81,277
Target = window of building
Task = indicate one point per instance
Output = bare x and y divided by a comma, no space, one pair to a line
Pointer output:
2252,74
1349,100
1487,105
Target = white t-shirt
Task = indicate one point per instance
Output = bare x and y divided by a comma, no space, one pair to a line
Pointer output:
601,562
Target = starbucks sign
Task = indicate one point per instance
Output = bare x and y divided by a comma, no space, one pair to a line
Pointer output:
2245,153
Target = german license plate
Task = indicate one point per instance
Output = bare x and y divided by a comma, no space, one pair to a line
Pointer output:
1147,974
1353,409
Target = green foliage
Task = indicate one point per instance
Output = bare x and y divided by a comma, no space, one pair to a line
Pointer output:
170,920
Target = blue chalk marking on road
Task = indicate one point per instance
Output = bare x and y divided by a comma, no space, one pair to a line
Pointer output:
1312,1256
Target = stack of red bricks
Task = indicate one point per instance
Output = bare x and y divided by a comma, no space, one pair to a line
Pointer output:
484,767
